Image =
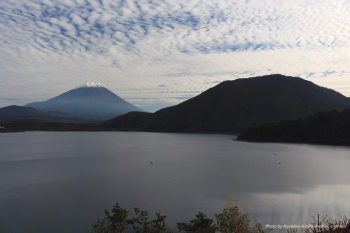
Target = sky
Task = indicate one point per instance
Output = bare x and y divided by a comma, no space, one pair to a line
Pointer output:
159,53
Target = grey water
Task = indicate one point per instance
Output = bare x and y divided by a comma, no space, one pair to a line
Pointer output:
63,181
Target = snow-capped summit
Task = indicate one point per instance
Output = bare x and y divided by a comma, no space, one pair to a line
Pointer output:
89,101
90,85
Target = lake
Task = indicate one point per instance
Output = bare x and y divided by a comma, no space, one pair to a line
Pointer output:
63,181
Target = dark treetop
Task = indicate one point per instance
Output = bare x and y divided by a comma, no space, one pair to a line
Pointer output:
323,127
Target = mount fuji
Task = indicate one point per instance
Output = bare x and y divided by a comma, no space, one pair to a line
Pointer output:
91,101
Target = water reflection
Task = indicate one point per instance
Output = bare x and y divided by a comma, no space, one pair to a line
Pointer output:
299,208
64,181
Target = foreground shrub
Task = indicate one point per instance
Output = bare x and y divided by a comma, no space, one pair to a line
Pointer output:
201,224
118,222
232,219
141,224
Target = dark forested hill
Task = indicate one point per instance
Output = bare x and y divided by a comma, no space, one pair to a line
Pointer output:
233,106
324,127
14,111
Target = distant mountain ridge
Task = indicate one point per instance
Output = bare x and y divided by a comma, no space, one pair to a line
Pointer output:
233,106
89,101
15,111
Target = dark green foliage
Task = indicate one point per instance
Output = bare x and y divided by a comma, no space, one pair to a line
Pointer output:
141,224
323,127
233,218
117,221
201,224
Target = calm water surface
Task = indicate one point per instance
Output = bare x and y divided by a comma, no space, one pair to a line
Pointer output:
63,181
